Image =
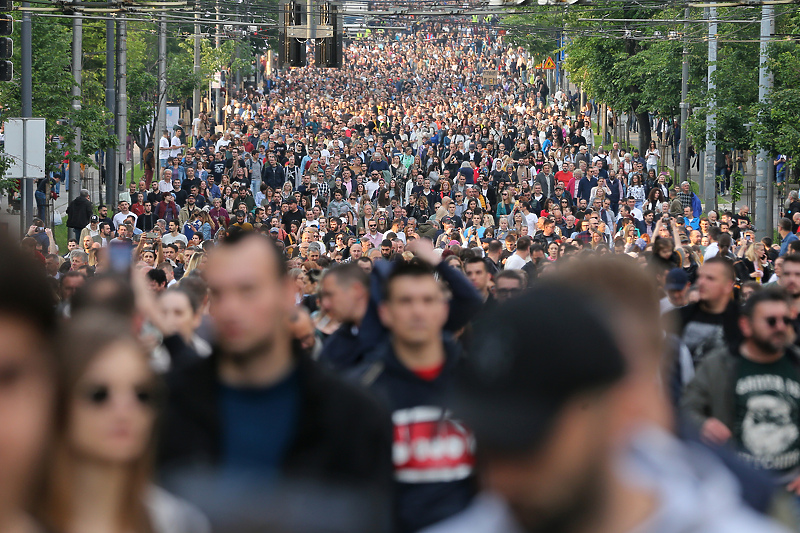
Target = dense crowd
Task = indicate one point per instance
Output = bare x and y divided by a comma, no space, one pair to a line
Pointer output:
389,298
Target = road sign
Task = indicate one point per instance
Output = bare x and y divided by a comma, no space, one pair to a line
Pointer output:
538,66
25,147
489,77
549,64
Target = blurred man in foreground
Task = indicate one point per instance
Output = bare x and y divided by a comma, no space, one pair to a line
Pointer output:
579,442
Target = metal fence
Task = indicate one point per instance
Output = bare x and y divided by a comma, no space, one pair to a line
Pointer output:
748,196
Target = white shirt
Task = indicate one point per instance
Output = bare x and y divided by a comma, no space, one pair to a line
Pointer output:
165,186
176,152
515,262
163,148
120,217
371,186
711,251
169,238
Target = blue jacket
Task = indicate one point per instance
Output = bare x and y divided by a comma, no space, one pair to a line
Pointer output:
697,207
790,238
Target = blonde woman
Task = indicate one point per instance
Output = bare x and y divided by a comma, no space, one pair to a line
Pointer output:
196,262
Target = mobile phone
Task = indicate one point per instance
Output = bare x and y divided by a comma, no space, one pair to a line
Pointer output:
119,254
151,235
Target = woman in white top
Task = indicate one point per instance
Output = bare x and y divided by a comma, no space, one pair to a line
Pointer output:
652,156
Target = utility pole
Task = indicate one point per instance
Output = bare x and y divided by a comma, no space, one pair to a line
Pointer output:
161,122
218,93
26,56
111,104
710,185
122,99
311,21
77,64
764,199
196,95
243,30
684,148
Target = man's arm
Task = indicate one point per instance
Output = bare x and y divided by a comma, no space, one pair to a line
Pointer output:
696,404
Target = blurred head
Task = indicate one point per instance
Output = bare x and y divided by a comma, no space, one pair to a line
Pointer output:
250,294
789,276
508,284
344,293
414,308
715,279
106,412
477,272
180,309
27,326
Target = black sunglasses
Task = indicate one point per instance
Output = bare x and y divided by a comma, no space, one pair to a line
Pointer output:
772,321
101,394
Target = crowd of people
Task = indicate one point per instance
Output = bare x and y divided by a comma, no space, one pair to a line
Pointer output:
389,298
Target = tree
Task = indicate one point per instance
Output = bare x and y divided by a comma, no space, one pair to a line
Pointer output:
776,129
627,65
52,99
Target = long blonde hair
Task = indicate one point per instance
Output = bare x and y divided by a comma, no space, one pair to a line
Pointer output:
194,262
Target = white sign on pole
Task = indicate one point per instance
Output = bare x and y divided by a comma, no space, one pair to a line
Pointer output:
25,146
173,115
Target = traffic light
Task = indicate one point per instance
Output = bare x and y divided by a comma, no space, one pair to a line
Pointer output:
328,52
6,25
291,51
6,44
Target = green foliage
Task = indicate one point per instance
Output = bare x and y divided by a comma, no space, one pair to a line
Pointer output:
142,81
777,131
737,186
52,95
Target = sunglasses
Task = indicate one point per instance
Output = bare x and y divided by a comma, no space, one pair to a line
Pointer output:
100,395
772,321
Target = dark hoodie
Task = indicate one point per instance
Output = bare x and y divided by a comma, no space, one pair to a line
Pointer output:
433,453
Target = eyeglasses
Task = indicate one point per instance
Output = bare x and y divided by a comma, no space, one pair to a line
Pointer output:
772,321
100,395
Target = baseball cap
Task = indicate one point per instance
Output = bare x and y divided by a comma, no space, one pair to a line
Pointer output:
94,218
447,220
510,391
677,278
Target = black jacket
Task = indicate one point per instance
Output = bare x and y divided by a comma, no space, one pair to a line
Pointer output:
342,437
79,212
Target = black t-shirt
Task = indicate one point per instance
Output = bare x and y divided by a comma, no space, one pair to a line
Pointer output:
290,217
217,170
704,333
767,426
180,197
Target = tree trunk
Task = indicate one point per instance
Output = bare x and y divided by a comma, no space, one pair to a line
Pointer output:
644,132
